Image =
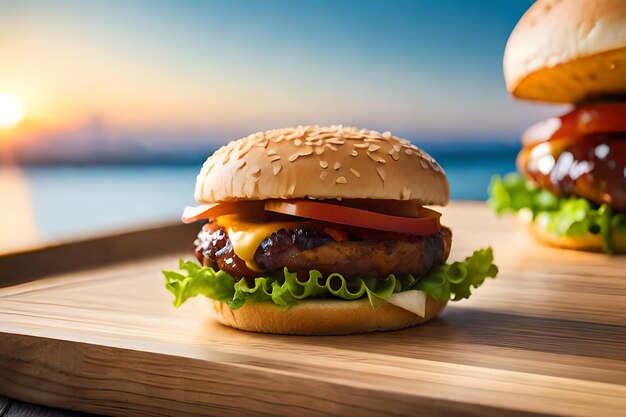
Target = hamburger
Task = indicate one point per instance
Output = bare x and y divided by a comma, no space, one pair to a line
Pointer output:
571,189
323,230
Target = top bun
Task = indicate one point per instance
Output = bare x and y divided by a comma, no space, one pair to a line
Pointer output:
322,163
568,51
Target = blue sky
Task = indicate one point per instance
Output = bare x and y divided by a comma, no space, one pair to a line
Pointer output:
192,71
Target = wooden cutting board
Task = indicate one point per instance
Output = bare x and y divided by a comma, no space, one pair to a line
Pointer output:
547,337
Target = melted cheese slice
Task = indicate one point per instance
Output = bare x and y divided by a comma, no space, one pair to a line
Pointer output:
413,301
245,236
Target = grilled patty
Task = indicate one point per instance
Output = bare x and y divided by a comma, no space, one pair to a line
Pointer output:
360,255
590,167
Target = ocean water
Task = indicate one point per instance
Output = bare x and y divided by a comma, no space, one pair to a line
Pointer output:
60,203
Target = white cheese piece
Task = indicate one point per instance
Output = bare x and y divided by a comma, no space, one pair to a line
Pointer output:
413,301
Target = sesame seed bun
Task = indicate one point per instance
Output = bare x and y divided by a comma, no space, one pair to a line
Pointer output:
320,317
588,242
568,51
322,163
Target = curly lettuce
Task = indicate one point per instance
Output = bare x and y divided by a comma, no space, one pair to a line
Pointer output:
454,281
445,282
561,216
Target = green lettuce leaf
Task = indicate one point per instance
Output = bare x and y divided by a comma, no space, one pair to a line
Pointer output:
561,216
513,192
454,281
449,281
196,280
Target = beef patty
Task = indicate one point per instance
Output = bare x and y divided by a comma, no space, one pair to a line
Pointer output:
370,254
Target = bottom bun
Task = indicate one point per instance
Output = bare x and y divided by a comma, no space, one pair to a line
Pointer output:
588,242
320,317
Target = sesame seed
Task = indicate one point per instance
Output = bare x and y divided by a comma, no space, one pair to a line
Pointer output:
373,148
381,172
361,145
337,166
319,150
336,141
255,171
387,135
291,188
262,144
373,158
305,151
341,180
276,168
355,172
324,164
323,175
354,153
397,148
406,193
293,157
297,142
274,158
271,152
331,147
241,164
424,164
408,151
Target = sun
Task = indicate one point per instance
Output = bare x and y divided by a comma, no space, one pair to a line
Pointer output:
11,110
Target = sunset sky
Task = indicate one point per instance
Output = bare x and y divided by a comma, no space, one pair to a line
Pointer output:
187,72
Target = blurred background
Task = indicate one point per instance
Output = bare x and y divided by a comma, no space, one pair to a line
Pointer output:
108,108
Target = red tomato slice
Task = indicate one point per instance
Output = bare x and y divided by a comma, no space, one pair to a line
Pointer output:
331,213
212,211
390,207
583,120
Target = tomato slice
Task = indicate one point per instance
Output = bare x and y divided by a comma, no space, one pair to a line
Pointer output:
212,211
391,207
583,120
426,225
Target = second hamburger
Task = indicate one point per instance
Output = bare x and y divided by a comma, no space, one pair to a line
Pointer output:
572,190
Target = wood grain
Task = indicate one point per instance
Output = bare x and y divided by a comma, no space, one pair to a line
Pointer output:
548,337
24,266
